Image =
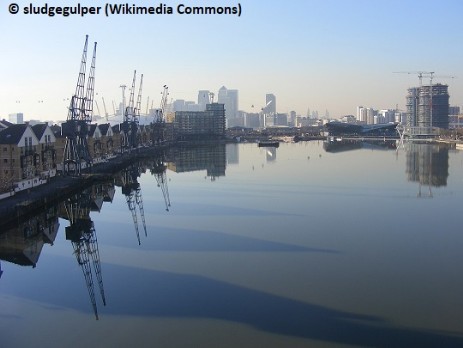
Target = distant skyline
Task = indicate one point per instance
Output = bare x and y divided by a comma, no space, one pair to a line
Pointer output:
317,54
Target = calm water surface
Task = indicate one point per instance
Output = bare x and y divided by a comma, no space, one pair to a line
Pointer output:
299,246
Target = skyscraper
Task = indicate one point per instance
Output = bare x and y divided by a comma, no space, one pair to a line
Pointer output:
428,106
228,97
203,99
270,104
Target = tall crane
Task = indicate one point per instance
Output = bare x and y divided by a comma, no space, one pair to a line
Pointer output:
126,143
75,129
420,74
136,117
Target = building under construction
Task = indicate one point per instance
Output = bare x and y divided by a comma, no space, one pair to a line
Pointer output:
428,106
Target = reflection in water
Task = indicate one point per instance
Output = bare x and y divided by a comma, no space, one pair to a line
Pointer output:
22,243
202,274
131,189
339,145
211,158
427,164
271,154
81,232
158,169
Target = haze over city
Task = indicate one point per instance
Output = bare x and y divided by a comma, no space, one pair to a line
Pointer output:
322,55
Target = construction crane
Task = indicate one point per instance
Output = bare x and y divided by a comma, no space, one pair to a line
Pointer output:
82,234
75,129
420,74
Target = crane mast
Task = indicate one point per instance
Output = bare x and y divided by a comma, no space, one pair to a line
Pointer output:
75,129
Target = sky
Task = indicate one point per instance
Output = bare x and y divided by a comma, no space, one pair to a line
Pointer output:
311,54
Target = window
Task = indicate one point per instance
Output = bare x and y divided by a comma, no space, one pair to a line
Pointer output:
5,160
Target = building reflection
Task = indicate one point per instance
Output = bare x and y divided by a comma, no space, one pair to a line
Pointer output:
333,144
22,243
427,164
211,158
271,154
82,234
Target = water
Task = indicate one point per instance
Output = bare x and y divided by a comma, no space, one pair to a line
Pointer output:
260,247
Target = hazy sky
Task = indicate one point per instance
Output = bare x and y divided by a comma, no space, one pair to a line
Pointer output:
316,54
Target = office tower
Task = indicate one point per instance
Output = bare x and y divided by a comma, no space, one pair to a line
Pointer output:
228,97
203,99
17,118
270,104
428,106
433,106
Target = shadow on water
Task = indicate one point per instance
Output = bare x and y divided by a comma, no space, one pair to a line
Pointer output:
183,240
147,293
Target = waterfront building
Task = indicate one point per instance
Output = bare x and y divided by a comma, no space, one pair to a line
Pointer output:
46,161
253,120
201,124
433,106
107,139
454,117
18,156
428,106
281,119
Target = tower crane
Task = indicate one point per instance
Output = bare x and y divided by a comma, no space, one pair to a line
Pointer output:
419,73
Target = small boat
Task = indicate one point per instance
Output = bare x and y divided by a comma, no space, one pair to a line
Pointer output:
268,143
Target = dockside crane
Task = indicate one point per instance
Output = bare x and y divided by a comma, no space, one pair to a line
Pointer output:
128,118
75,129
136,117
158,126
